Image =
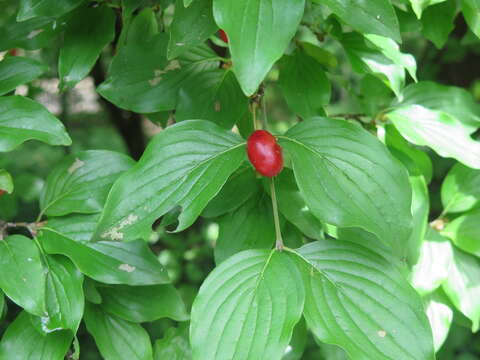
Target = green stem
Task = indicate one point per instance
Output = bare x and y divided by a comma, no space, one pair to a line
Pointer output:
279,241
253,109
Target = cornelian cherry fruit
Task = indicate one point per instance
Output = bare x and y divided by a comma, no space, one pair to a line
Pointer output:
264,153
223,35
2,192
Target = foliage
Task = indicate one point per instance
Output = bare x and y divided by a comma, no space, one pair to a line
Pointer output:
140,230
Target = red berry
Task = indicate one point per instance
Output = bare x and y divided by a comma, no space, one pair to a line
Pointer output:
13,52
2,192
223,35
264,153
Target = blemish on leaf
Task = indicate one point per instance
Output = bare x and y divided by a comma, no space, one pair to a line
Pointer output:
34,33
155,81
114,233
217,106
173,65
77,164
382,333
127,268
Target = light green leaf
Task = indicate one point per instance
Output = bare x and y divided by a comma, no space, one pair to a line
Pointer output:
250,226
438,22
212,95
296,348
81,182
22,341
16,70
6,181
446,135
48,8
22,277
117,339
185,165
247,307
471,12
63,296
22,119
463,286
141,79
78,227
174,346
460,189
433,266
464,231
143,303
88,31
109,262
420,5
338,163
440,316
357,300
258,31
190,27
372,17
304,84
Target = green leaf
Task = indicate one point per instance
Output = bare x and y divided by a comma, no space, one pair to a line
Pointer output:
88,31
212,95
471,12
91,292
22,119
22,341
240,187
78,227
304,84
324,57
298,343
117,339
109,262
174,346
143,303
258,31
48,8
141,79
463,285
248,227
22,277
247,307
438,22
464,231
460,189
64,295
433,266
185,165
190,27
81,182
6,181
420,5
372,17
338,163
292,205
16,70
357,300
440,316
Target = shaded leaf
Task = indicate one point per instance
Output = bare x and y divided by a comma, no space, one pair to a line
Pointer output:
48,8
460,189
438,22
464,231
16,70
174,346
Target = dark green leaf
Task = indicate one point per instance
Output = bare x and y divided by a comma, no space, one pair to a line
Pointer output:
174,346
143,303
22,119
247,308
461,189
117,339
212,95
304,84
185,165
372,17
91,292
348,178
16,70
81,182
471,12
78,227
191,26
89,30
356,299
258,31
22,277
47,8
465,232
130,263
22,341
248,227
6,181
419,5
141,79
438,22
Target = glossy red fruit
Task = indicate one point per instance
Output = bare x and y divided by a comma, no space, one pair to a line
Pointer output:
264,153
223,35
